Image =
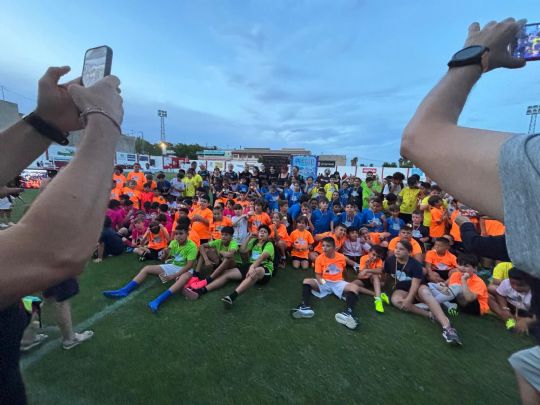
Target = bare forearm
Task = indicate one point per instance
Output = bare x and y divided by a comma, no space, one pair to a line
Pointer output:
64,222
78,195
444,104
23,141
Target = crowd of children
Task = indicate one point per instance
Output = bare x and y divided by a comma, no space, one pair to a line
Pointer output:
396,241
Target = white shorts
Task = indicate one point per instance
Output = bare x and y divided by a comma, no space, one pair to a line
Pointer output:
330,287
169,269
527,364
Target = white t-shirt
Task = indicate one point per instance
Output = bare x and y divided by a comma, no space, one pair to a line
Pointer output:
177,187
240,229
517,299
395,189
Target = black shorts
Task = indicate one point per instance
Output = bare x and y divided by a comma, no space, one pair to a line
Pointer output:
244,268
153,254
355,259
404,285
442,273
366,282
300,259
472,308
63,291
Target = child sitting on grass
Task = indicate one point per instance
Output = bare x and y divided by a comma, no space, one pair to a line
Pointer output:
183,253
439,262
370,277
512,301
154,241
301,242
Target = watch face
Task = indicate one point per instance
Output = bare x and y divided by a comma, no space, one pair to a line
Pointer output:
470,52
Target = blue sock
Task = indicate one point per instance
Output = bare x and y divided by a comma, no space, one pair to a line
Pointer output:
154,305
122,292
129,287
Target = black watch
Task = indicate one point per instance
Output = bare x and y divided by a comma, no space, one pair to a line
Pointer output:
46,129
472,55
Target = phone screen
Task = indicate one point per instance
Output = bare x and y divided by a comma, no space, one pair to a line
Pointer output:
528,42
95,65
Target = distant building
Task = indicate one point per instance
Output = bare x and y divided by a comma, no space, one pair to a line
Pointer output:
332,160
214,154
269,157
9,113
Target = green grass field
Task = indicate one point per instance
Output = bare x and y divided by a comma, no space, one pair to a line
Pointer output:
197,353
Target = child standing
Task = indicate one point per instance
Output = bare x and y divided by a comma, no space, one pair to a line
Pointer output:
240,224
5,212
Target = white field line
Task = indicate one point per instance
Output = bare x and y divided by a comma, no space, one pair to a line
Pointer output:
28,359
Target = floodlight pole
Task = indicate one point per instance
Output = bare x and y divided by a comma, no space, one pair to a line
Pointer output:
533,111
162,114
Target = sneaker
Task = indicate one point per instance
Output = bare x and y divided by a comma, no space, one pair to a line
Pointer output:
115,294
450,336
385,298
4,226
142,259
379,305
78,338
154,306
346,319
302,311
452,309
190,294
421,305
227,302
38,339
510,324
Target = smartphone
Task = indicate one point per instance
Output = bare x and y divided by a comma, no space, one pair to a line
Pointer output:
527,44
97,65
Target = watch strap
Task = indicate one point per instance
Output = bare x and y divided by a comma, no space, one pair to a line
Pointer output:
46,129
477,60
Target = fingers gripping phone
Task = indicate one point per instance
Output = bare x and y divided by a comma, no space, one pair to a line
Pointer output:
97,65
527,44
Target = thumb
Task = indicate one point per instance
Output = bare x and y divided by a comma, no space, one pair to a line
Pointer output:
75,91
53,75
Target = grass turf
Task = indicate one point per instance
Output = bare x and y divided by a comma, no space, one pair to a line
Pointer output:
196,352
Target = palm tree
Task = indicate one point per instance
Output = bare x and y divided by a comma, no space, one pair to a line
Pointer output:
354,161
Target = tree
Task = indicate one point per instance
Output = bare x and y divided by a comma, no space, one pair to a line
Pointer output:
190,150
146,148
405,162
354,161
389,164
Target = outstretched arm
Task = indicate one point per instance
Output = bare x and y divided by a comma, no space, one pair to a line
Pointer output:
64,222
446,151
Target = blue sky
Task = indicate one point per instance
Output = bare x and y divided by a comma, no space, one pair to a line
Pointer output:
335,77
